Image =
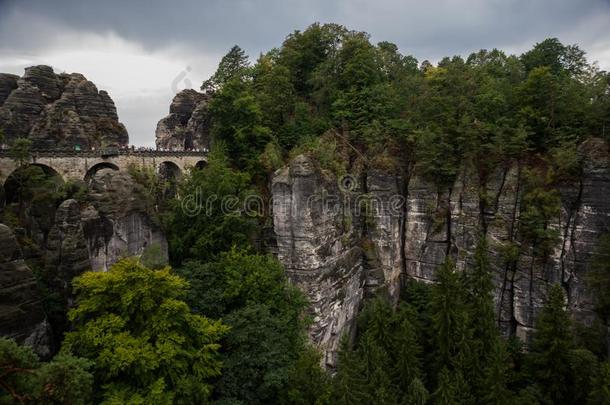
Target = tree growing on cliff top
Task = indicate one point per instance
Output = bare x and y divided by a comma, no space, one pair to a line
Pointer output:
231,66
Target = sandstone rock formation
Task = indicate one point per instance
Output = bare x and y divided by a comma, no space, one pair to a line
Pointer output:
116,224
58,110
66,254
188,124
21,313
338,253
111,223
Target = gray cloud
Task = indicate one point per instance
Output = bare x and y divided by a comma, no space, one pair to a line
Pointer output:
196,33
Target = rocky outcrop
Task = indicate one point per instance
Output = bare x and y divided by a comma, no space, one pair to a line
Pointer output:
112,222
117,224
339,252
326,242
21,312
188,124
8,83
66,253
58,110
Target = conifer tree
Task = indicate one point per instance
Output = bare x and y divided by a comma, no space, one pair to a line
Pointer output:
407,352
349,384
449,315
488,356
445,393
417,394
376,371
231,66
600,392
494,390
549,360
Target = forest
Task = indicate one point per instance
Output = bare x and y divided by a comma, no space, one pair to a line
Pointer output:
222,323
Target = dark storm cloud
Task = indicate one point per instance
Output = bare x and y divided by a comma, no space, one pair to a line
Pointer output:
423,28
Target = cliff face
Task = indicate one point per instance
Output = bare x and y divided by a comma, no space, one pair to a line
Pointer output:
58,110
22,315
188,124
329,247
116,223
111,223
341,244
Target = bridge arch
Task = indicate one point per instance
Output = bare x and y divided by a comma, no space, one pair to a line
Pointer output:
169,170
201,164
15,181
97,167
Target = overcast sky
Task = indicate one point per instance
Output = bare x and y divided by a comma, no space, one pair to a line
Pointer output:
142,51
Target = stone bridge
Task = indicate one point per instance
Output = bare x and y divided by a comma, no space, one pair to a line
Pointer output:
81,165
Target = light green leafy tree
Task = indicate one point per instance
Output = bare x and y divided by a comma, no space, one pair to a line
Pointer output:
146,343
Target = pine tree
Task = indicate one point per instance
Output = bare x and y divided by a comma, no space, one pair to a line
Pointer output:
445,393
407,351
449,315
487,353
417,394
349,385
494,390
231,66
600,392
377,369
549,360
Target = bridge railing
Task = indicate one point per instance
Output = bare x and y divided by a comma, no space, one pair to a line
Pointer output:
104,153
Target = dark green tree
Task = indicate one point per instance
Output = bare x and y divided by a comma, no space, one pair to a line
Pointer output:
549,359
449,315
209,215
24,379
251,294
233,65
446,391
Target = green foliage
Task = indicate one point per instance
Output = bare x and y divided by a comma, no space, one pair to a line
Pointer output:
251,294
232,65
153,257
549,360
145,341
271,158
599,277
20,150
238,122
307,382
557,57
385,364
540,207
600,392
24,379
34,193
208,216
154,189
449,316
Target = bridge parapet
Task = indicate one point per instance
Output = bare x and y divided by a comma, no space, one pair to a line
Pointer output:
5,153
72,164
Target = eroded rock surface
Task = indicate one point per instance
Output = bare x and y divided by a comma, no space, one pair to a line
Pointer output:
188,124
66,253
116,224
21,312
338,255
58,110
